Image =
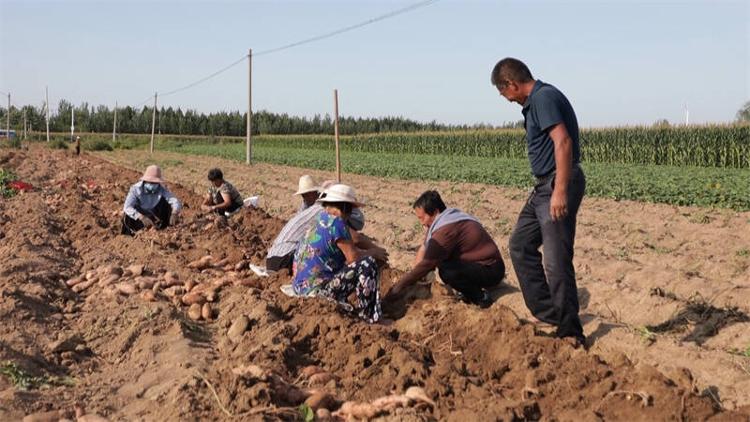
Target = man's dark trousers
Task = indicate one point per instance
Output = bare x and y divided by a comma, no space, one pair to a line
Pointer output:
470,278
549,290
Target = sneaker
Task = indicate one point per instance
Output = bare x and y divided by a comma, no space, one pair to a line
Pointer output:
485,301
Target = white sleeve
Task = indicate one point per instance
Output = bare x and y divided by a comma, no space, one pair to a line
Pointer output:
130,202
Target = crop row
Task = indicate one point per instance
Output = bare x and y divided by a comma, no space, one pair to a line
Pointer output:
700,186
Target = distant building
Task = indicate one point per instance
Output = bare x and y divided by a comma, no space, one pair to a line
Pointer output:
3,134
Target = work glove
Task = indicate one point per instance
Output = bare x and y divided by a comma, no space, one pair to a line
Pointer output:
147,221
173,218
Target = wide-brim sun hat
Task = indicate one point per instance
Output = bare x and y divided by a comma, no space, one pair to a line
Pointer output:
340,193
152,174
306,185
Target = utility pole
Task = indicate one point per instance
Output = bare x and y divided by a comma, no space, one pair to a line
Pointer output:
46,96
7,120
24,124
72,122
687,115
153,124
249,129
114,124
336,133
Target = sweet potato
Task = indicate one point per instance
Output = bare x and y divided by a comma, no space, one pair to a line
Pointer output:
193,298
221,263
136,270
321,399
75,280
311,370
148,295
174,291
251,371
418,394
206,312
320,379
194,312
83,285
107,270
201,263
170,279
126,288
145,282
91,417
210,295
241,265
189,285
391,402
355,410
109,279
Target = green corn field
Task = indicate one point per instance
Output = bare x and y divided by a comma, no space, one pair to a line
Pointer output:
702,146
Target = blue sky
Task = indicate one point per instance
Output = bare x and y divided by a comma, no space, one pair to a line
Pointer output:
619,62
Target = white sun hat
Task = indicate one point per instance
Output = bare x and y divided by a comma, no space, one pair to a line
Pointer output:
340,193
306,184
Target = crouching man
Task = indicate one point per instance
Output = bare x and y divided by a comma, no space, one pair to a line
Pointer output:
149,204
465,255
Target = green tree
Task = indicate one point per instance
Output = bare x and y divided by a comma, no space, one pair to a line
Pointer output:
743,114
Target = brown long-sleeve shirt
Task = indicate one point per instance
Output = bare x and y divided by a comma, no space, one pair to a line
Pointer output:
465,241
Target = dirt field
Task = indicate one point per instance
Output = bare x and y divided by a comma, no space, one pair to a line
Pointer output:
128,354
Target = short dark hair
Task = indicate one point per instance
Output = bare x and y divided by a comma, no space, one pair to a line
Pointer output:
431,202
215,174
510,69
344,207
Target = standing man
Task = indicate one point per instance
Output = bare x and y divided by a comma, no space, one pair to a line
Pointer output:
548,219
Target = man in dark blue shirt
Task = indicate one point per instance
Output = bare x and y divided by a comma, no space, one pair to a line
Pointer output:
548,219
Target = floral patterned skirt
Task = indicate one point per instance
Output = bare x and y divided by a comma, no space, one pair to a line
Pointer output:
359,277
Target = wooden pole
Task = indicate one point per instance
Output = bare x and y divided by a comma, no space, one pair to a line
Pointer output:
72,123
114,125
24,124
249,129
153,124
46,101
7,120
336,133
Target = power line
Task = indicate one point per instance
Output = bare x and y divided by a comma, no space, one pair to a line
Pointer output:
224,69
298,43
348,28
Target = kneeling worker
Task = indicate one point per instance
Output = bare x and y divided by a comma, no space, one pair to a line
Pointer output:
465,255
222,196
149,204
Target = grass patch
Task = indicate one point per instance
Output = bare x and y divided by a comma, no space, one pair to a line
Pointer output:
25,381
58,144
5,177
96,145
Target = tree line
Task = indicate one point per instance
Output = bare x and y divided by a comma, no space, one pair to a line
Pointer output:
169,120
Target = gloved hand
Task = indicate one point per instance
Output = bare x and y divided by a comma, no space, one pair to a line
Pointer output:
147,221
173,219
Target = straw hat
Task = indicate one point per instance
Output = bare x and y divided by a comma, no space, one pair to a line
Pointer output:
340,193
152,174
306,184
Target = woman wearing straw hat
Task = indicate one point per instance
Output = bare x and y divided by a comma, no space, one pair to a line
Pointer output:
308,190
328,264
149,204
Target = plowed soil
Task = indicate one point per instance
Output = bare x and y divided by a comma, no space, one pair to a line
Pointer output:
138,357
